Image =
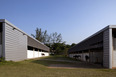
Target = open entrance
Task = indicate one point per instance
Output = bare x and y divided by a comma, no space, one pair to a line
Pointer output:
96,56
0,39
114,48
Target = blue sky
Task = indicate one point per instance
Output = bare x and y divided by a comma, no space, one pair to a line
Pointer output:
74,19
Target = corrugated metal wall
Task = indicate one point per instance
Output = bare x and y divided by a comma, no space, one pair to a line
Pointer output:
33,43
15,44
89,43
106,48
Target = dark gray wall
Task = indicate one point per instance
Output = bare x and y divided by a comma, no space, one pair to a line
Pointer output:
106,49
91,43
96,56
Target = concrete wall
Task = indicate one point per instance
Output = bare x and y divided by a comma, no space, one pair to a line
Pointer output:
30,54
96,56
82,56
114,59
35,54
45,54
106,48
15,44
71,55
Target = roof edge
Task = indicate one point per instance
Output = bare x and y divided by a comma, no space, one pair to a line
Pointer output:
105,28
12,25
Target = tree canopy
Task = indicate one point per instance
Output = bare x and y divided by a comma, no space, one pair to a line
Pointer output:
53,40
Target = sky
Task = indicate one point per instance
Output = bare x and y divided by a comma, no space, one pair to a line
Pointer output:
74,19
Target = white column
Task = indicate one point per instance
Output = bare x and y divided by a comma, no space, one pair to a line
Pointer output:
33,53
110,48
82,56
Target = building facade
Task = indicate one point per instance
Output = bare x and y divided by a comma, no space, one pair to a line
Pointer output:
16,45
100,48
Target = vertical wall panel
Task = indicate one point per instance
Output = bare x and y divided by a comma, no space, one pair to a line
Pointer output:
15,44
106,48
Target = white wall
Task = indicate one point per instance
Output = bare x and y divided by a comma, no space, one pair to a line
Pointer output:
35,54
71,55
45,54
84,54
30,54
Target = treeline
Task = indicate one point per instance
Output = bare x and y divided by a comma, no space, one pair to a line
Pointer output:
53,41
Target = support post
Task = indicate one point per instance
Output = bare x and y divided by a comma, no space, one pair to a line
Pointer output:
110,48
33,53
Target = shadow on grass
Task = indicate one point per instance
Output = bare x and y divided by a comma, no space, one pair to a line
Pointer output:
54,61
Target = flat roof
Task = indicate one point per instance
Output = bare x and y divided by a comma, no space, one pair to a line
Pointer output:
102,30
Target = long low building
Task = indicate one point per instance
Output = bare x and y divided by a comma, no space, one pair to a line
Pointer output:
99,48
16,45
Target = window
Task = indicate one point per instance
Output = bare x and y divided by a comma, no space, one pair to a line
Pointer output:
30,48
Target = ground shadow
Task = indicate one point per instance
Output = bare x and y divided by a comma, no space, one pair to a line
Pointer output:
65,64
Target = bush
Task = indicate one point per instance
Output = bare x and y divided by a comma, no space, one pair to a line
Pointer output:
2,59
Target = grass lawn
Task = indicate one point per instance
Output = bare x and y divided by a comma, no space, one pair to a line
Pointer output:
38,68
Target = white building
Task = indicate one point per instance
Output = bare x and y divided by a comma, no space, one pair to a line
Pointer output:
16,45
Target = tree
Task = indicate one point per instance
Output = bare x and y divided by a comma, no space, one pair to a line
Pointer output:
43,37
73,44
40,35
55,38
53,41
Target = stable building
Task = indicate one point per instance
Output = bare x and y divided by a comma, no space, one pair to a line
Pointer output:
16,45
100,48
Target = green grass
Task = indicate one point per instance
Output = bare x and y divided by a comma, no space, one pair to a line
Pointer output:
59,57
38,68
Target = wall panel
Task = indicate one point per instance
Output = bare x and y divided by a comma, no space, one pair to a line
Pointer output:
15,44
